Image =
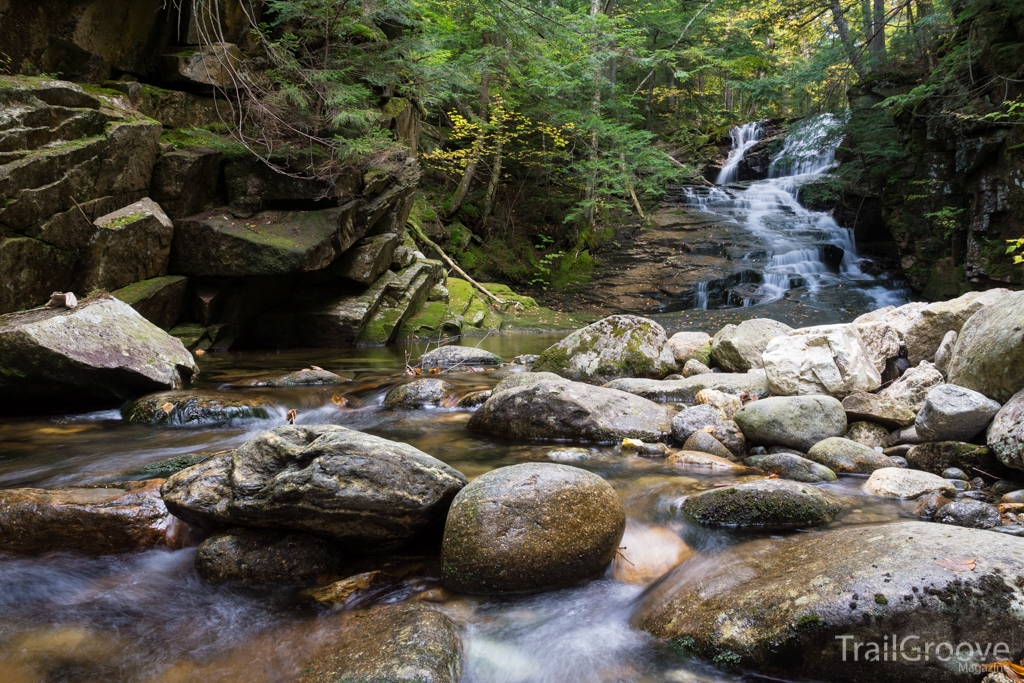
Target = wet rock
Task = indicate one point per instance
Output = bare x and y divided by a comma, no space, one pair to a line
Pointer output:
522,379
954,473
794,421
693,419
738,348
867,434
830,359
100,353
159,300
936,456
912,388
927,505
1013,497
945,352
969,513
687,346
570,410
447,357
367,259
990,350
94,520
861,405
617,346
895,482
843,456
264,556
775,503
905,436
644,450
571,454
1004,486
527,359
795,468
647,553
753,383
300,378
694,367
953,413
1005,435
784,607
474,399
925,334
197,409
421,393
727,404
699,460
705,443
527,527
365,492
354,590
128,245
405,643
731,436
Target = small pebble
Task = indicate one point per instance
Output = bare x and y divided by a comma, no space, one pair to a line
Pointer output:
958,484
1014,497
954,473
977,483
898,461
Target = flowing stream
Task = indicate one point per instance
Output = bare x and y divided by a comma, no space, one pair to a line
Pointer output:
146,617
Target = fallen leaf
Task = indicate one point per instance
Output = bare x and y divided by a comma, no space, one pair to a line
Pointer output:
167,407
339,401
317,367
292,414
200,352
956,564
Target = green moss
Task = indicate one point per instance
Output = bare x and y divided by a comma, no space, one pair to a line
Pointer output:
809,620
881,599
169,466
684,646
460,295
144,289
125,220
182,138
425,324
727,659
394,107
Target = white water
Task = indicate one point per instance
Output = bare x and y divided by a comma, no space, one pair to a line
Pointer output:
743,138
798,239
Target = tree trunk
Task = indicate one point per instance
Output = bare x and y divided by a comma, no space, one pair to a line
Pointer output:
595,105
878,35
844,36
474,161
492,185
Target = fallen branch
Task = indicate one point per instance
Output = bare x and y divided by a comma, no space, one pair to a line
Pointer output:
454,266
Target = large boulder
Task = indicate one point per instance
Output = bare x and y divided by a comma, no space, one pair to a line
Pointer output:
159,300
421,393
101,352
365,492
925,333
896,482
263,556
1006,433
198,408
843,456
795,468
738,348
521,379
452,356
860,405
795,607
899,318
794,421
952,413
128,245
617,346
969,513
94,520
938,456
367,259
912,388
535,526
831,359
989,352
571,410
752,383
404,643
687,346
774,503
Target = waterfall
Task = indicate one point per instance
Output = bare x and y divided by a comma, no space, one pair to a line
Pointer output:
700,301
743,138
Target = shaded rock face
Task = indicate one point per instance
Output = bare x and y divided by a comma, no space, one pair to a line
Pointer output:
262,556
100,353
185,181
536,526
367,493
686,390
394,643
738,348
797,422
989,352
370,257
1006,433
446,357
831,359
795,468
129,245
896,482
159,300
421,393
912,388
937,456
782,606
208,65
570,410
93,520
617,346
925,334
197,409
775,503
847,457
952,413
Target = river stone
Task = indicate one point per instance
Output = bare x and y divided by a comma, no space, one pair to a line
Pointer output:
693,419
945,352
738,348
896,482
264,556
685,390
829,359
300,378
687,346
404,643
969,513
128,245
989,352
474,399
927,505
617,346
705,443
101,353
355,590
420,393
521,379
955,473
570,410
781,606
536,526
775,503
912,388
198,408
843,456
795,468
953,413
728,404
95,520
368,493
925,334
700,460
447,357
1006,433
648,552
794,421
868,434
860,405
693,367
937,456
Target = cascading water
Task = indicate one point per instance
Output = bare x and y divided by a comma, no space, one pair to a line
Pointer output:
807,248
743,138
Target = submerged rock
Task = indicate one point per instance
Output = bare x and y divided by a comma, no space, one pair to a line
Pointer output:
989,352
421,393
100,353
647,553
699,460
355,589
843,456
896,482
535,526
263,556
474,399
197,409
617,346
300,378
787,607
1006,433
953,413
795,468
368,493
570,410
775,503
969,513
738,348
405,643
447,357
794,421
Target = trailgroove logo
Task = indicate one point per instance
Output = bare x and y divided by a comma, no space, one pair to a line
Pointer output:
911,648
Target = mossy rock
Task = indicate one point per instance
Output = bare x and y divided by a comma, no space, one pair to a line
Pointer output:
773,503
194,409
